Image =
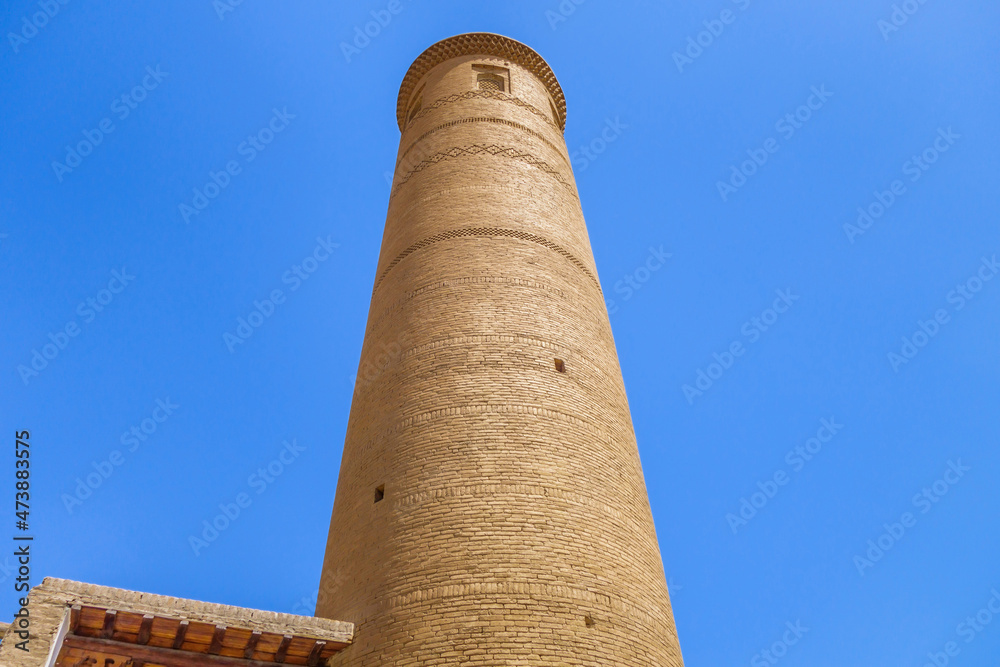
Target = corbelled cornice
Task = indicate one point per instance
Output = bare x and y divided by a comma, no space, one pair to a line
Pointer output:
480,43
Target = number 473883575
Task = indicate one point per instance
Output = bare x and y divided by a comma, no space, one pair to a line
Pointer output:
23,453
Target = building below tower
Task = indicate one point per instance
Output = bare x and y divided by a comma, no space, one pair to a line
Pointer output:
70,624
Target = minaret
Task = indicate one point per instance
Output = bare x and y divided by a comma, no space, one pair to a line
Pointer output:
491,508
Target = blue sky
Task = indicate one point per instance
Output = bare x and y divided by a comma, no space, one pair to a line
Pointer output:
823,176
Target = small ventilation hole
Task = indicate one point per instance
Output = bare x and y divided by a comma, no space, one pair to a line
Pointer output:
560,366
588,621
379,492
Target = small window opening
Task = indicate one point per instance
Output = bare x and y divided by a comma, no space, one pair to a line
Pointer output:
560,366
488,81
589,621
379,492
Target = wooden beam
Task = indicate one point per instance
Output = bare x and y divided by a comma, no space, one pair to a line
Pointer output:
251,646
216,646
160,656
74,618
145,629
314,654
282,652
182,630
108,629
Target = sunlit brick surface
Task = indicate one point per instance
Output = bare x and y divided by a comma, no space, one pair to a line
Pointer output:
515,527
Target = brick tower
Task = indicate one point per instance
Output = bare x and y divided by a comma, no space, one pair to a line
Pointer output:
491,508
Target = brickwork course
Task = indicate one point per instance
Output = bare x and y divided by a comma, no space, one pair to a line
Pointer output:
491,507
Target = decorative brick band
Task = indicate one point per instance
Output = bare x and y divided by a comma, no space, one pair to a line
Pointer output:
468,280
464,342
480,149
512,590
489,232
500,409
607,435
444,194
520,490
486,94
482,119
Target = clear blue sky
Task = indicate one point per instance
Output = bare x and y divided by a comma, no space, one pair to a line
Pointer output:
905,114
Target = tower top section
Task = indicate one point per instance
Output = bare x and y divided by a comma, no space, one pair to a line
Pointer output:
486,44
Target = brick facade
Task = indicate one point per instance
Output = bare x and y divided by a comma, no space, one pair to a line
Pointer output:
491,508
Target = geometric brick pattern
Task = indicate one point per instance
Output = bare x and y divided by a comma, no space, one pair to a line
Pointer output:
489,95
491,507
501,121
485,231
493,150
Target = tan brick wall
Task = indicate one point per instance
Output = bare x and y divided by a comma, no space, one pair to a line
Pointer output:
515,507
